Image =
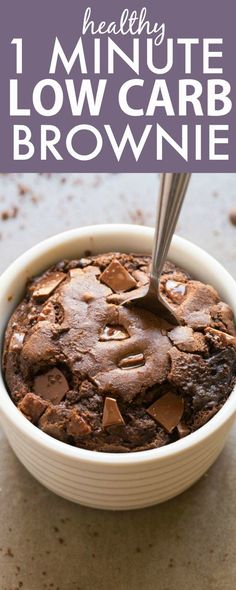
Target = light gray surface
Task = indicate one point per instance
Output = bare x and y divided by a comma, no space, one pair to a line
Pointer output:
49,543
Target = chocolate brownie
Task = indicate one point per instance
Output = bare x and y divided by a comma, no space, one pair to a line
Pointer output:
100,375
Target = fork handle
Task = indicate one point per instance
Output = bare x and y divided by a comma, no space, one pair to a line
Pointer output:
173,187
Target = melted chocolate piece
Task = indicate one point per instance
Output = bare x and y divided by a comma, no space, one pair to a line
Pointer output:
111,413
113,333
48,284
187,340
117,277
220,338
32,406
175,290
182,429
168,411
52,385
77,425
118,298
132,362
17,340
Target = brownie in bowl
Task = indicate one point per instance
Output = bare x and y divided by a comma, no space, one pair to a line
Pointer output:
100,375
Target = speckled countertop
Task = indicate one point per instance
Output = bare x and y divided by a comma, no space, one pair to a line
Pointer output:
48,543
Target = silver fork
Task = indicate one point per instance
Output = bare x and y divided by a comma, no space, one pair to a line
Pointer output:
173,188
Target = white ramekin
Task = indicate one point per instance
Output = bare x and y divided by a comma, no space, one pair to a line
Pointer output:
107,480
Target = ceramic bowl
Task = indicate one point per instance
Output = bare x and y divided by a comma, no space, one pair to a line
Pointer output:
107,480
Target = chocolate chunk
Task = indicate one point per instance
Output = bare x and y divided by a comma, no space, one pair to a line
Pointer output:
91,270
16,341
187,340
132,361
46,287
167,410
52,385
118,298
182,429
77,425
175,290
199,319
32,406
111,413
113,333
117,277
220,338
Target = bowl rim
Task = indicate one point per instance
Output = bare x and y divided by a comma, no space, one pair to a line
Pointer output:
9,411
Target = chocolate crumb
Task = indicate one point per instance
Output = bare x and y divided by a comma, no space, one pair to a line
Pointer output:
9,552
9,214
22,189
232,216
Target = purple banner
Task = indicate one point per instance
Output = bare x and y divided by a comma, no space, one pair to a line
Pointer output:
117,87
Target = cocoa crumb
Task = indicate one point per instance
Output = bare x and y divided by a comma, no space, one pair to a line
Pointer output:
137,216
232,216
22,189
9,213
97,181
9,553
35,199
